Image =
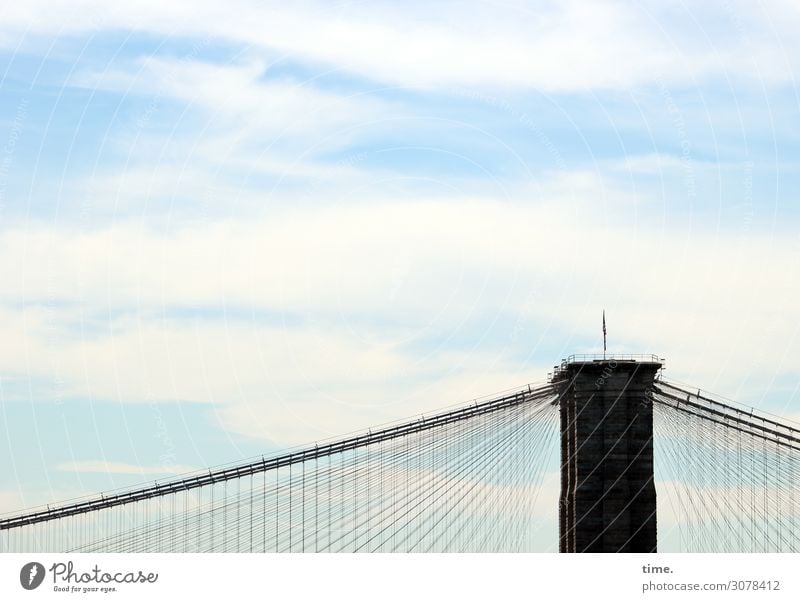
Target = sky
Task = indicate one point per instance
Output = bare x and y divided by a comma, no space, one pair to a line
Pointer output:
231,228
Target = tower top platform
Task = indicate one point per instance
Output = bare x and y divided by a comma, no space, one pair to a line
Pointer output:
582,361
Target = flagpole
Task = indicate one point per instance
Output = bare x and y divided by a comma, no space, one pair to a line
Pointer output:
604,334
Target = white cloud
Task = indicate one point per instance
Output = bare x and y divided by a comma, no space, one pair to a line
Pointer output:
244,97
240,124
356,313
290,384
553,46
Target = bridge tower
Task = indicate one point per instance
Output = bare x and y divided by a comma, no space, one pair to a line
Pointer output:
608,496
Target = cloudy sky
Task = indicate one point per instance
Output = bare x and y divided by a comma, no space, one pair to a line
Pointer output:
231,227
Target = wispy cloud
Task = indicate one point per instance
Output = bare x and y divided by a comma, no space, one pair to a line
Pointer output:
548,45
245,96
314,328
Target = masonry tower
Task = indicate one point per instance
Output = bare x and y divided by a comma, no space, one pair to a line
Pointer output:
608,495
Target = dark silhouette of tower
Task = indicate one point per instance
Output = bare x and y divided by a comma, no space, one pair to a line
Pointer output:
608,496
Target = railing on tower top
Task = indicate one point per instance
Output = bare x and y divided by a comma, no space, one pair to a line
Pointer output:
559,369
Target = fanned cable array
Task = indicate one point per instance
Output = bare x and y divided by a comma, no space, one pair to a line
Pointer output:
464,480
728,478
478,478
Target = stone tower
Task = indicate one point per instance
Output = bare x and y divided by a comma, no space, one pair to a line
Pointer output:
608,495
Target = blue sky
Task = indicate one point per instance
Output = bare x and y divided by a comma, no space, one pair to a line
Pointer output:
231,227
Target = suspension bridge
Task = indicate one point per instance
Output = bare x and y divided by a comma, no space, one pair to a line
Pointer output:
604,456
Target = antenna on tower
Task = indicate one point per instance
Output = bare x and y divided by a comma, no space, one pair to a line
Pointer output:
604,334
